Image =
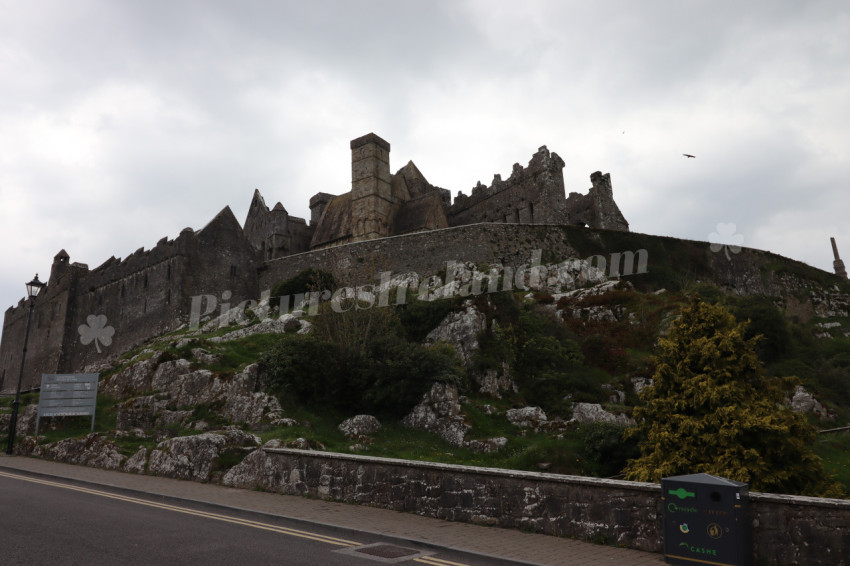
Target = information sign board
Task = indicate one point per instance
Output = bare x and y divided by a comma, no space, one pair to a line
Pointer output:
67,395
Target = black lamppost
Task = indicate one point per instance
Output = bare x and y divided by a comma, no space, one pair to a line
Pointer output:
33,287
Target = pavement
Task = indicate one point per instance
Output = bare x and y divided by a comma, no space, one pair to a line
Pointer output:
529,548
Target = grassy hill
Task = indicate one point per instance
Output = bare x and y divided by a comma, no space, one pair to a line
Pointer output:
557,350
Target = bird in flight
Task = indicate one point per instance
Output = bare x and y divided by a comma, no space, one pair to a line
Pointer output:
688,155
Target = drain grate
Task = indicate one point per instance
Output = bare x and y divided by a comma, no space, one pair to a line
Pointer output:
383,552
386,551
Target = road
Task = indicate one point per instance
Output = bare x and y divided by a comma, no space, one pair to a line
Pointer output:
46,521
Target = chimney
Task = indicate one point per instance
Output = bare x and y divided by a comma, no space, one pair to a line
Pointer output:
838,265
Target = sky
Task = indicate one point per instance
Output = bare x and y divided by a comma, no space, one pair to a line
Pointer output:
122,122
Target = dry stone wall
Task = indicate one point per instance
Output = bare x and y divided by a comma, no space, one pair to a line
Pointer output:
787,530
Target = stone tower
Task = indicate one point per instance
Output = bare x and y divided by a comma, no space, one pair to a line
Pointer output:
371,189
838,265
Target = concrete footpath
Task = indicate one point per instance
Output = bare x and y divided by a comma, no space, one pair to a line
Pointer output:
490,541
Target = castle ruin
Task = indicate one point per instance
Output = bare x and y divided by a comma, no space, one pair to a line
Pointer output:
149,292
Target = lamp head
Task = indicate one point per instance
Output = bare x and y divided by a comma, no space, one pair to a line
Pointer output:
34,287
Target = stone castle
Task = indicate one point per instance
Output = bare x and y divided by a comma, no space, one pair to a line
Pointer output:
399,216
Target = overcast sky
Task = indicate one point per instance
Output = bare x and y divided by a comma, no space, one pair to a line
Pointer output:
123,121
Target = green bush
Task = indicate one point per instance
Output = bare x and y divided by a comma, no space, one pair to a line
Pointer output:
766,320
605,450
418,317
358,361
306,281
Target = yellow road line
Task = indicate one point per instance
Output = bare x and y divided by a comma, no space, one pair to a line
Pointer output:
244,522
215,516
437,561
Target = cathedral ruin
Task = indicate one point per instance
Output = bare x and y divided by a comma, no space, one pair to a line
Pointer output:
149,292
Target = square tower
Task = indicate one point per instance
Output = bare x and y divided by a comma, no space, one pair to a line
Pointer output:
371,191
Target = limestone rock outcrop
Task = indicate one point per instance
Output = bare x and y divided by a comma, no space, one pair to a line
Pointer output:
593,412
439,412
193,457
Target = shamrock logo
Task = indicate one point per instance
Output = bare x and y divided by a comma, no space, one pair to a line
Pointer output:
726,238
97,331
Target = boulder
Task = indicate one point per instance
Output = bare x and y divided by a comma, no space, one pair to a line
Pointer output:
140,412
193,457
359,425
132,380
593,412
257,471
527,417
268,326
804,402
205,357
641,383
439,412
137,463
95,450
460,330
493,382
487,446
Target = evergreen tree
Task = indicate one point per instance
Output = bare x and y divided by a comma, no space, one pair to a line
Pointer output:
712,409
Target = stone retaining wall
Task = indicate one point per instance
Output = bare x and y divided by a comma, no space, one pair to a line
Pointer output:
786,529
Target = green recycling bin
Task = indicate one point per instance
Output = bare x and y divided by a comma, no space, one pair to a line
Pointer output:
706,521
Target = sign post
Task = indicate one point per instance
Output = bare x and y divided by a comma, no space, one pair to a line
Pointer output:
67,395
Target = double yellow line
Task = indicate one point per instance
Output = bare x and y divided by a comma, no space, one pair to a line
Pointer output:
215,516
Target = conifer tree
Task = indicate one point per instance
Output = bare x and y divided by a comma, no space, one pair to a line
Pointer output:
712,409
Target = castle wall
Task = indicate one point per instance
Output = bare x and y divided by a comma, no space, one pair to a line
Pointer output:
596,209
425,252
145,295
46,337
531,195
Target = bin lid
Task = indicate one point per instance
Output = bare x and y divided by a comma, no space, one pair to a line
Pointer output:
706,479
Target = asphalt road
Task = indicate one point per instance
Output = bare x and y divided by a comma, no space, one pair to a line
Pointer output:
53,522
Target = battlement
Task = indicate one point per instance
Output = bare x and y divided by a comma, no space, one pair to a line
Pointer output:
541,162
149,292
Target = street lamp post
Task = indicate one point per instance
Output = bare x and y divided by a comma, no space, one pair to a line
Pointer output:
33,287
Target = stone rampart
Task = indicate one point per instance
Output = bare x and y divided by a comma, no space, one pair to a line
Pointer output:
426,253
787,530
531,195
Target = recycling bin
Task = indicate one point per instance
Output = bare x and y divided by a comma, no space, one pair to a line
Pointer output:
706,521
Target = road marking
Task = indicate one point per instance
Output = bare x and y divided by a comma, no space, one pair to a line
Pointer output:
437,561
215,516
244,522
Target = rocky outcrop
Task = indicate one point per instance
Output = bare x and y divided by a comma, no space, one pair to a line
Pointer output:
95,450
148,413
259,471
439,412
359,425
575,303
804,402
641,383
527,417
133,380
494,381
461,330
244,405
180,386
193,457
593,412
486,446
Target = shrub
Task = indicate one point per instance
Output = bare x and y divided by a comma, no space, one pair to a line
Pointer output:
359,361
604,448
306,281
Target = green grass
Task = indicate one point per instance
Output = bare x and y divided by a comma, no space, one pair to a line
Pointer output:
834,449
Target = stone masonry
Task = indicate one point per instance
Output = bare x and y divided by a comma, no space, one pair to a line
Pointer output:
150,292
